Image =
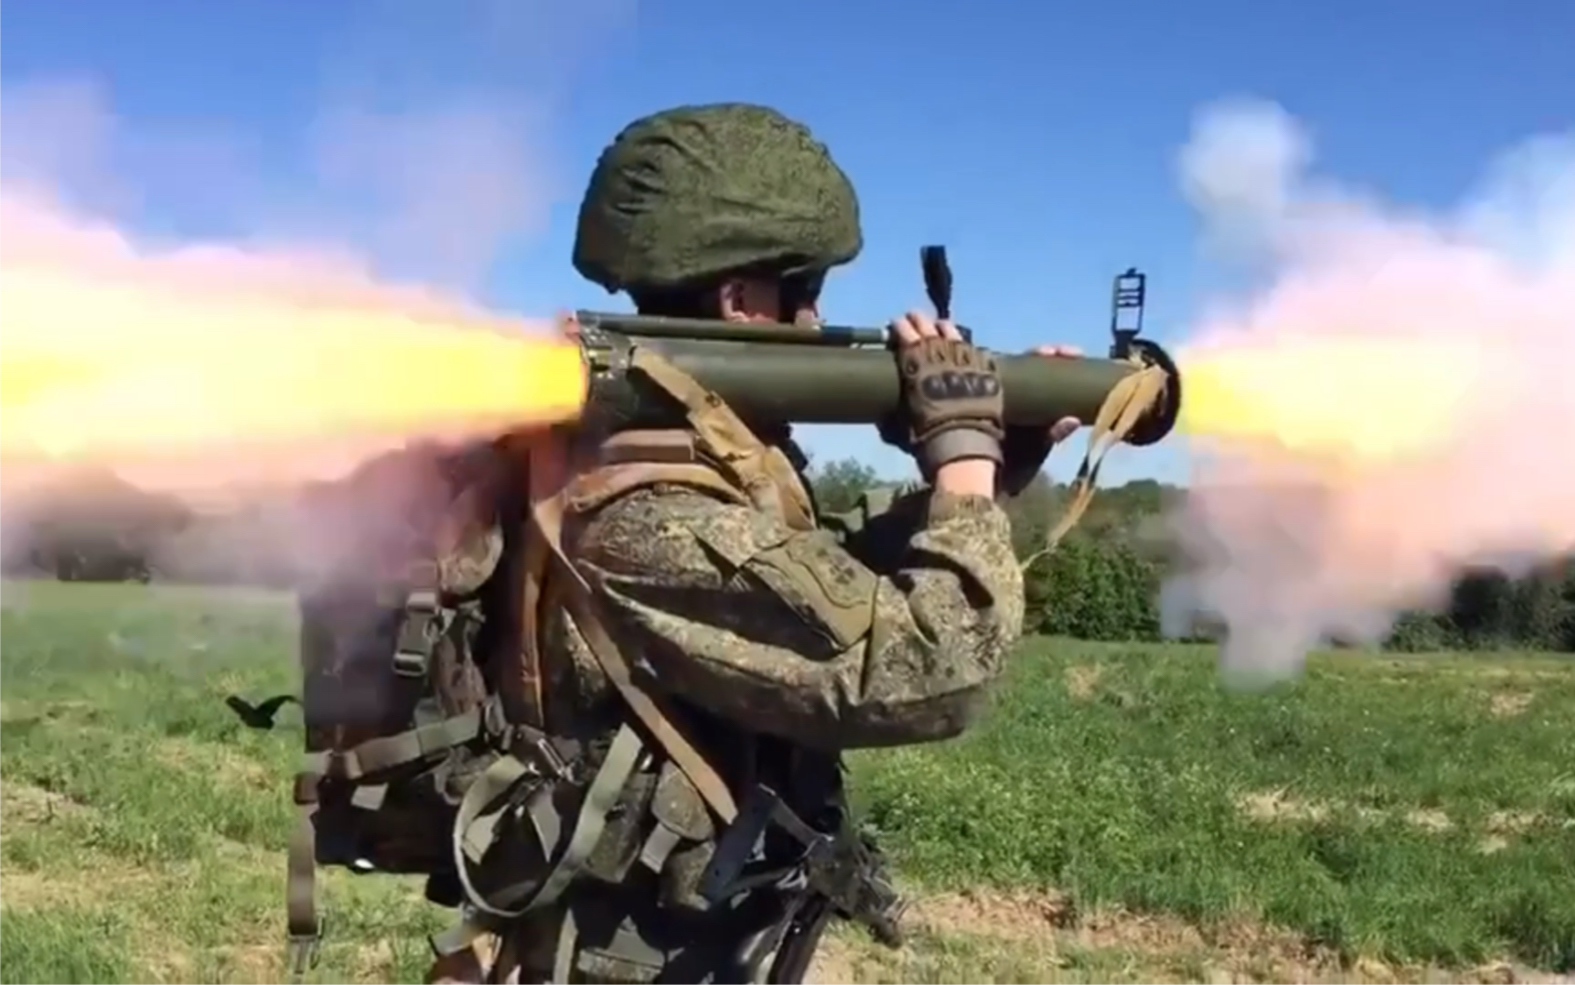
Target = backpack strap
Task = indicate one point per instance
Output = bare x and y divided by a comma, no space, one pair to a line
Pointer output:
626,461
721,455
549,579
582,604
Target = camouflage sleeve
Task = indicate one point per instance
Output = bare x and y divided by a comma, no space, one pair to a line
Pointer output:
792,633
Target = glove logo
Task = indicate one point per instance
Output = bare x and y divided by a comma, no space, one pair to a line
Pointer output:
953,385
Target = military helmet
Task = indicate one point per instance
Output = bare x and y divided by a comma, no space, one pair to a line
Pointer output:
689,193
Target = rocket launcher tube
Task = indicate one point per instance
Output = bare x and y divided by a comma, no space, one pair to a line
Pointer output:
839,375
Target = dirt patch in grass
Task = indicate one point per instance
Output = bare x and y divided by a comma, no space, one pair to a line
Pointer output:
1507,704
1279,806
1429,820
1048,917
78,889
225,764
23,803
1041,931
1082,680
1019,915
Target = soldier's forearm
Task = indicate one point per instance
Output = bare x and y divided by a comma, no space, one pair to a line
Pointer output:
945,622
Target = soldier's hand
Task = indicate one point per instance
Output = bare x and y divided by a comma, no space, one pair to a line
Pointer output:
1025,448
951,392
1066,426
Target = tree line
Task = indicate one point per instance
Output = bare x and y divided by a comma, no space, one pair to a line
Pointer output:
1102,583
1103,580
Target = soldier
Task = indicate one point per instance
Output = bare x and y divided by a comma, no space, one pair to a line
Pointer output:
695,637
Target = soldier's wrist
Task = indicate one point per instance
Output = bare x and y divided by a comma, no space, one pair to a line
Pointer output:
967,477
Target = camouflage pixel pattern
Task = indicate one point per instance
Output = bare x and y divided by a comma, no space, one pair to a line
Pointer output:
798,635
692,192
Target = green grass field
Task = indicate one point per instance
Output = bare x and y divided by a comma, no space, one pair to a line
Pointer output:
1120,816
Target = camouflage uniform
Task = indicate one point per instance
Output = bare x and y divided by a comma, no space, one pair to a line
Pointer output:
784,646
781,638
767,638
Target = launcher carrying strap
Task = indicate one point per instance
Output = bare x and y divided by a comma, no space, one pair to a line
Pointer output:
1134,396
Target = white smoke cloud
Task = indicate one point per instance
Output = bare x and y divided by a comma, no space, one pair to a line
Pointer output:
1287,552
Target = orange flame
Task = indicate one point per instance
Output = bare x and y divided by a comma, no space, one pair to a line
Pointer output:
111,370
1348,402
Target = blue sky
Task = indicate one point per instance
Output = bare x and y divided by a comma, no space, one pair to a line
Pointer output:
1036,139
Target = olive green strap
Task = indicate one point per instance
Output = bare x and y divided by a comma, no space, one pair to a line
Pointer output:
389,752
563,954
517,899
300,894
425,621
368,758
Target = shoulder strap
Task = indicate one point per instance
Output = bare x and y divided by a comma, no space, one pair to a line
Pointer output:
631,460
723,455
758,469
547,514
636,458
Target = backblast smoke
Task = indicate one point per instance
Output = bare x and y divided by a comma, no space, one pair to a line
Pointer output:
1391,405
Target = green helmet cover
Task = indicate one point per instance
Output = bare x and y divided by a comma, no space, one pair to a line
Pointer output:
693,192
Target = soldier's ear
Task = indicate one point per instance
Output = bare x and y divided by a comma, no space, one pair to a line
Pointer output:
733,300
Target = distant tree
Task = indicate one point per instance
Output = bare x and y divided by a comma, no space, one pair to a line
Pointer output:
1567,592
839,484
1033,513
1482,609
91,525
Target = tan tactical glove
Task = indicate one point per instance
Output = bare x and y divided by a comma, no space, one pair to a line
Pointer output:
952,401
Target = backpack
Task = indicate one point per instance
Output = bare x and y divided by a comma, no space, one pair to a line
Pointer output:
394,697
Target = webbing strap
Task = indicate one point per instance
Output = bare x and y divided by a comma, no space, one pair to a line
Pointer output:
548,513
424,622
483,798
1133,396
563,953
754,466
300,894
723,436
387,752
372,756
